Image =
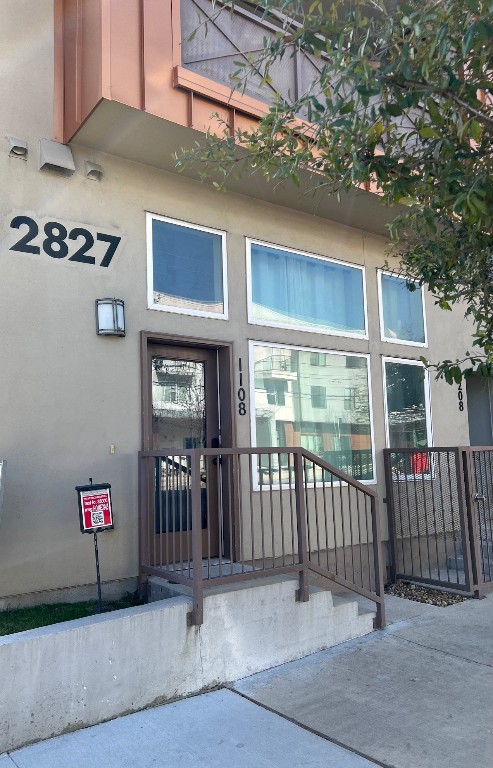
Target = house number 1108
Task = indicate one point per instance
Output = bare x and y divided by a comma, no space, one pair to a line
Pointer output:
241,394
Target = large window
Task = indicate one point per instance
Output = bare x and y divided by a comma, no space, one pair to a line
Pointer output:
401,311
325,407
186,268
407,404
288,289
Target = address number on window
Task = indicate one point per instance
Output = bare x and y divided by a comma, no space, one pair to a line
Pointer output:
54,239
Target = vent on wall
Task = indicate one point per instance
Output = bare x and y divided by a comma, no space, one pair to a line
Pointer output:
55,157
17,148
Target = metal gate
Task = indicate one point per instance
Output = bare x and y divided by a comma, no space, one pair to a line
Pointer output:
440,510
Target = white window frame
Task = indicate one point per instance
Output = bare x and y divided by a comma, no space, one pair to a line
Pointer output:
253,432
150,217
426,386
293,326
424,343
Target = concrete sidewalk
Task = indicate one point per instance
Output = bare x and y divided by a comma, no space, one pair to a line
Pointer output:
417,695
214,730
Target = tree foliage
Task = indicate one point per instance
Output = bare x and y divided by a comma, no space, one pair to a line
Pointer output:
403,105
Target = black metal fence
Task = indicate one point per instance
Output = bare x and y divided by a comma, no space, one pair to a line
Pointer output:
440,510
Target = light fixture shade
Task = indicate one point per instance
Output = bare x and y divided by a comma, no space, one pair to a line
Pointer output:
110,317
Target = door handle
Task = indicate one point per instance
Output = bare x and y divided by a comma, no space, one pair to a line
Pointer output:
216,443
479,497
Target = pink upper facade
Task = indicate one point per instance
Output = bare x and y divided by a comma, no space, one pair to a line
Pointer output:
129,51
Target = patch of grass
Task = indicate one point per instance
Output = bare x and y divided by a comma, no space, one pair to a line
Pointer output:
20,619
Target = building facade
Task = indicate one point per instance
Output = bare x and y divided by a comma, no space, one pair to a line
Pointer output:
256,317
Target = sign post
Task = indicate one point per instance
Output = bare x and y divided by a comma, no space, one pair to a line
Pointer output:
95,515
98,575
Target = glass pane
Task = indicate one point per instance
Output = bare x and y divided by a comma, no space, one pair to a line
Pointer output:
178,404
187,268
178,421
402,310
406,406
324,406
291,289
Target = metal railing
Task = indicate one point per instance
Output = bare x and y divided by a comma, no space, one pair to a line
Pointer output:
440,511
478,486
223,515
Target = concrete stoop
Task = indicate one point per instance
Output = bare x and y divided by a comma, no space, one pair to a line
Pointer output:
68,676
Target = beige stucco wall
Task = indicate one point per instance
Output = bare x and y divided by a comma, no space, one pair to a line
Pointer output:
66,394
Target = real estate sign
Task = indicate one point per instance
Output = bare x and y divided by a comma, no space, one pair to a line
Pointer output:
95,510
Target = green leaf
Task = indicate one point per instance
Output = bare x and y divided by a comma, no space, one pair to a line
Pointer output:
393,109
478,203
456,374
468,39
435,113
348,107
427,132
475,130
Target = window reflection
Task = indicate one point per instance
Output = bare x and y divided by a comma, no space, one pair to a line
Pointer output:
324,405
187,268
406,405
178,404
306,292
402,310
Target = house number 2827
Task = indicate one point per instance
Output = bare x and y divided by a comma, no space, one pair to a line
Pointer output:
57,241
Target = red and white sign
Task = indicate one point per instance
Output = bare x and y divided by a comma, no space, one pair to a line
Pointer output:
95,508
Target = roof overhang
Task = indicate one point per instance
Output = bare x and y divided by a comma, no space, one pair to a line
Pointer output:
134,135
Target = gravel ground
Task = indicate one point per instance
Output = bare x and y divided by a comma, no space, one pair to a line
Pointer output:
422,594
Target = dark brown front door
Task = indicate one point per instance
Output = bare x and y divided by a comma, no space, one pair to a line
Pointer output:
184,414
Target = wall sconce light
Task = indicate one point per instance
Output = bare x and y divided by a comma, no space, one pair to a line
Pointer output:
17,148
110,317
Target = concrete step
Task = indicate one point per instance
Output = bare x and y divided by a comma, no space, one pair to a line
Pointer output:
350,614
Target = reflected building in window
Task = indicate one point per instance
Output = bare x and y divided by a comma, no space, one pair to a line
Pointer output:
178,403
320,404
